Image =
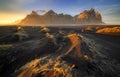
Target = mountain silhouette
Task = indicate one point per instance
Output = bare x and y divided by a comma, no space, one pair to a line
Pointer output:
51,17
89,16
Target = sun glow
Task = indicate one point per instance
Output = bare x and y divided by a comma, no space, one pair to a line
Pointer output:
5,22
10,18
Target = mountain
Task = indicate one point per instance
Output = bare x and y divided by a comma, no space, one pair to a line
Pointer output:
51,17
50,12
89,16
30,19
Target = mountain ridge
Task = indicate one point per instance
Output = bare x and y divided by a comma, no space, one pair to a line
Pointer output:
51,17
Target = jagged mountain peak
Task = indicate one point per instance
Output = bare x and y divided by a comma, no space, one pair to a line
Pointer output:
90,15
92,10
50,17
33,13
50,12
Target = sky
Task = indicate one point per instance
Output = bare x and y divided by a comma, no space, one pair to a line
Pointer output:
12,10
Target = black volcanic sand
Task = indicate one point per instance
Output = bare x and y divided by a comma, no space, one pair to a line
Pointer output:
39,56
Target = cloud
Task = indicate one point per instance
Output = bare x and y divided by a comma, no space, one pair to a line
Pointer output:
13,5
11,10
110,13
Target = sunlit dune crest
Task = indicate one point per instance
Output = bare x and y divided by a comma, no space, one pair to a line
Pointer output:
45,29
75,40
110,31
47,67
89,28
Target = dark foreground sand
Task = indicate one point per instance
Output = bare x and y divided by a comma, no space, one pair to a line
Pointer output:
39,56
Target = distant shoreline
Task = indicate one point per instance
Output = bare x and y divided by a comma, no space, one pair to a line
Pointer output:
63,25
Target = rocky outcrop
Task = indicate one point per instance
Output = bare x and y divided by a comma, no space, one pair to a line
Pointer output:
89,16
51,17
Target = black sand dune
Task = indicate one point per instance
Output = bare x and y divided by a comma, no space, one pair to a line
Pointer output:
72,54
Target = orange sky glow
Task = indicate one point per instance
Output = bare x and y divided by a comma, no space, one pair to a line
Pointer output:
10,18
